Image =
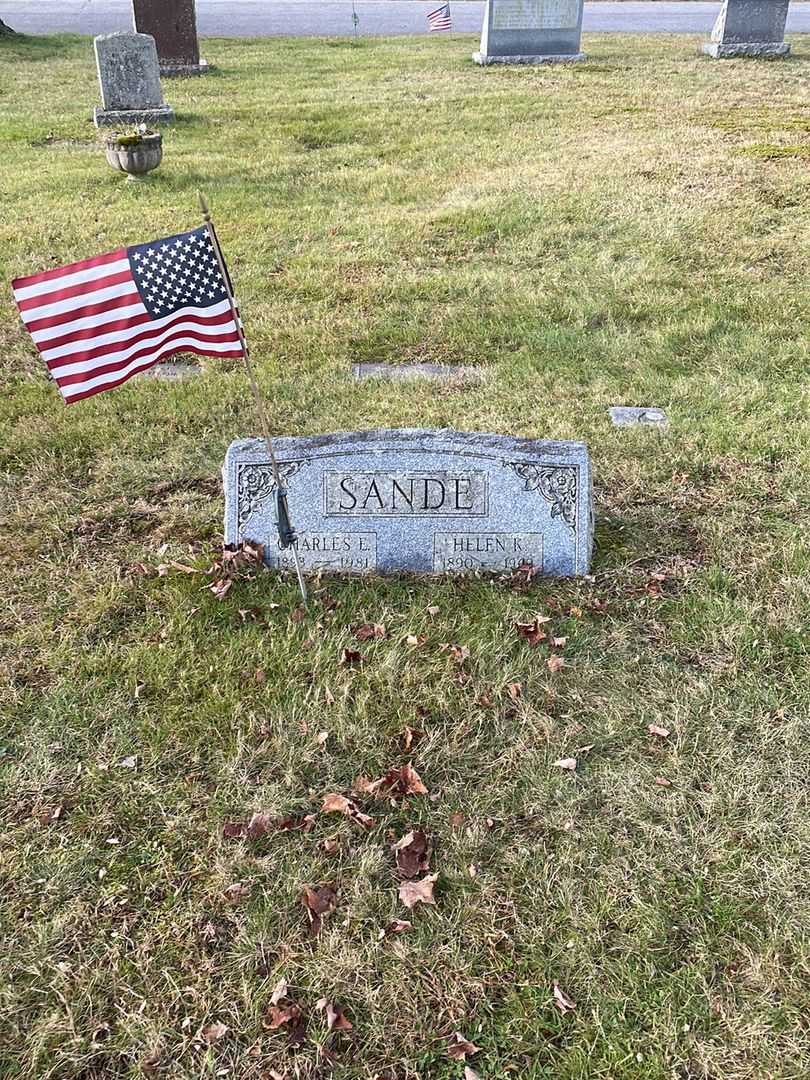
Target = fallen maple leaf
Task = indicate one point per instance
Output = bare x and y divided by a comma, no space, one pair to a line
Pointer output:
404,780
460,1047
412,853
415,640
555,663
397,926
656,729
412,893
318,902
663,782
569,763
339,804
459,653
214,1032
302,821
233,830
562,1000
410,736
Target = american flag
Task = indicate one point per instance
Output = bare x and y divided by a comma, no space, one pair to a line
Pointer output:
100,321
440,19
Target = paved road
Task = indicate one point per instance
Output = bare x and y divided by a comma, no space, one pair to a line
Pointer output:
307,18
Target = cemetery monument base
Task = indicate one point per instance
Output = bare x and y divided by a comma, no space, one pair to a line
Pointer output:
129,81
531,32
749,28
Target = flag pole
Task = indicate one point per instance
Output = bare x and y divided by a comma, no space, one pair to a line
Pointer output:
286,532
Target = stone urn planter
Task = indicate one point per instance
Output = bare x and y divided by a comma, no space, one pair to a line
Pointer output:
135,154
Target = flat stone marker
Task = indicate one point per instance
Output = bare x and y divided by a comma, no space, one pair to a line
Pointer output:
630,416
419,501
413,372
749,28
129,79
531,32
173,25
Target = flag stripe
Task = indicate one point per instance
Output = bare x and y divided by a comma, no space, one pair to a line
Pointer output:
90,273
78,304
72,291
87,329
72,268
84,362
107,382
112,333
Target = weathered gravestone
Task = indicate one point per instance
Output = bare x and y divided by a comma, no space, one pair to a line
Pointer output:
422,501
531,32
173,25
749,28
129,78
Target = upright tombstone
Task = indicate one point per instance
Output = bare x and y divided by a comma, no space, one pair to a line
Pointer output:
129,79
418,501
173,25
531,32
749,28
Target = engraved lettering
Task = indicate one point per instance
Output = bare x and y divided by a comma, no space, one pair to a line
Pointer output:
462,552
353,503
401,494
427,505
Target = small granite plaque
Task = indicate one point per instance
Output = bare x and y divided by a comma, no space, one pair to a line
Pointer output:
129,79
531,32
749,28
421,501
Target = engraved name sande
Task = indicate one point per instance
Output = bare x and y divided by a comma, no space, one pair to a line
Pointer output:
535,14
416,501
405,493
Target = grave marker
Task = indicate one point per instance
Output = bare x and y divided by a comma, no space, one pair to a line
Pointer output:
531,32
749,28
173,25
129,79
421,501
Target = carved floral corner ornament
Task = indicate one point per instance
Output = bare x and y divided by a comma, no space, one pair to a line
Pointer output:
556,483
256,485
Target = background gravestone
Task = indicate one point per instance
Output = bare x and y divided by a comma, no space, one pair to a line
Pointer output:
418,501
531,32
173,25
129,79
749,28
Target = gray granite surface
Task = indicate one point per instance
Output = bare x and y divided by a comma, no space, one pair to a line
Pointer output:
631,416
129,80
750,28
531,32
414,500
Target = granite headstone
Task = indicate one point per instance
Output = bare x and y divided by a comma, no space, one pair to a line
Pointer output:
173,25
749,28
419,501
129,79
531,32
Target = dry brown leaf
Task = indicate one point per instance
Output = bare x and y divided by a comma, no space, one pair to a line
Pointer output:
320,901
415,641
412,893
413,856
470,1074
397,926
461,1048
339,804
432,609
321,738
531,631
656,729
559,642
410,736
259,677
237,893
404,780
335,1019
569,763
459,653
233,830
663,782
259,825
456,820
214,1032
370,630
514,690
329,697
350,658
279,992
555,663
562,1000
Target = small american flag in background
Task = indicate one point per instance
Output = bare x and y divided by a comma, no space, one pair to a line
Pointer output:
100,321
440,18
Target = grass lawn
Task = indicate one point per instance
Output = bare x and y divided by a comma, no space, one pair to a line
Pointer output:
633,230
